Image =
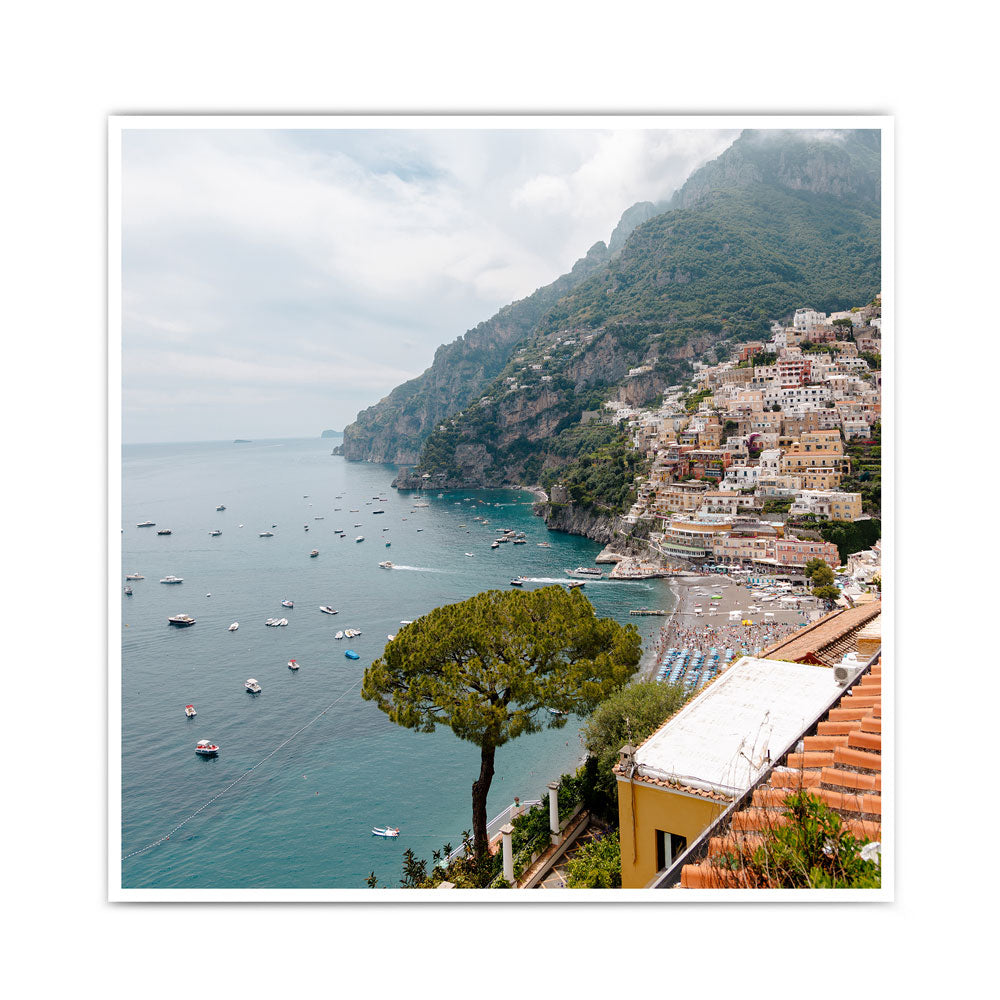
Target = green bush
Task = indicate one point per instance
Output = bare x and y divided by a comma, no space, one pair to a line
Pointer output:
597,865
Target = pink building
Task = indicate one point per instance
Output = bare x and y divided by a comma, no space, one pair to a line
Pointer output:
798,551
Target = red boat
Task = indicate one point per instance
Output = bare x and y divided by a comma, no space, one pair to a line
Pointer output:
206,748
189,711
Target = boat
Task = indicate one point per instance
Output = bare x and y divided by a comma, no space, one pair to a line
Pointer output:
557,711
234,626
206,748
221,506
215,532
390,637
545,545
318,517
360,538
134,576
518,582
520,541
574,584
385,831
314,553
327,610
252,685
421,503
164,531
293,665
306,527
495,545
281,621
181,621
339,635
172,579
128,590
378,511
146,524
271,622
406,621
287,604
265,534
351,655
471,555
386,564
388,544
585,571
189,711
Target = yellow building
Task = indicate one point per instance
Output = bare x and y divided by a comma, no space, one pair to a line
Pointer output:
675,784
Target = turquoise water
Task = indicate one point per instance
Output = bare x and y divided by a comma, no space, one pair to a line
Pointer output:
302,818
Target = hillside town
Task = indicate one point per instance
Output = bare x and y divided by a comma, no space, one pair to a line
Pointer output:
748,465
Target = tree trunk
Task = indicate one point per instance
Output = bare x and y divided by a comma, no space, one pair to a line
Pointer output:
480,789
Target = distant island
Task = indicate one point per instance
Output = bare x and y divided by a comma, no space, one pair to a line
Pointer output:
332,434
242,441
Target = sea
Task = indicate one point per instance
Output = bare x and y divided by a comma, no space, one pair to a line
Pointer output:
307,768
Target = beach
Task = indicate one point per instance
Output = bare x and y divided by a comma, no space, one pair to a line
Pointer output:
688,628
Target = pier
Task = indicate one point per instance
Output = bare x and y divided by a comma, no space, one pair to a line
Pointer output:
646,611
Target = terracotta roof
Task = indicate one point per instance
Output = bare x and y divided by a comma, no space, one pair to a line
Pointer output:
828,640
842,768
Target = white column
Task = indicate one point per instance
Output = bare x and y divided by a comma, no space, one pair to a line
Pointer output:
554,810
508,853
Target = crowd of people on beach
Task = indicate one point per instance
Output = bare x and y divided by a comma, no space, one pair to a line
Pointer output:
742,639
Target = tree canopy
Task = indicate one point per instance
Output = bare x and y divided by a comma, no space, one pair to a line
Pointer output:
489,666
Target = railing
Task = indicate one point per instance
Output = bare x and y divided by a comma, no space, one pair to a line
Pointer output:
494,825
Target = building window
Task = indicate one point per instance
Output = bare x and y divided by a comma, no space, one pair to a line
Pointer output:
669,847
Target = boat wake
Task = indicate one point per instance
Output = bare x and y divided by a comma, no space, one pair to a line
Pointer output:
419,569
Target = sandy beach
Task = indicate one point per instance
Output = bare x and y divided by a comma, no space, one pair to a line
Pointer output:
688,628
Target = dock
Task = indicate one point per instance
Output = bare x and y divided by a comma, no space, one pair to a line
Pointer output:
645,611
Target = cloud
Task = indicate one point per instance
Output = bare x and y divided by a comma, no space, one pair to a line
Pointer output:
340,260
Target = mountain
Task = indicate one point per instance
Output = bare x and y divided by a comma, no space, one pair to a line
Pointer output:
776,222
781,219
395,428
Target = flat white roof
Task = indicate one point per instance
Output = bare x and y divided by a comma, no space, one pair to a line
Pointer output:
721,739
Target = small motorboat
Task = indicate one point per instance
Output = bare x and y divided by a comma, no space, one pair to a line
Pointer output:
206,748
360,538
164,531
471,555
293,664
388,544
314,553
271,622
128,590
306,527
385,831
146,524
318,517
189,711
574,585
557,711
281,621
287,604
351,655
134,576
327,610
265,534
494,545
172,579
234,626
390,637
385,565
221,506
517,582
252,686
182,621
215,532
339,635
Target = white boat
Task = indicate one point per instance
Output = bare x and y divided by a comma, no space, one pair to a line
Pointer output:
134,576
339,635
314,553
215,532
495,545
287,604
164,531
206,748
471,555
182,621
406,621
360,538
386,564
385,831
265,534
271,622
146,524
421,503
221,506
585,571
574,584
128,590
234,626
189,711
293,664
252,686
327,610
282,621
390,637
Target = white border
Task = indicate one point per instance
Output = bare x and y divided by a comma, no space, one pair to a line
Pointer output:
117,124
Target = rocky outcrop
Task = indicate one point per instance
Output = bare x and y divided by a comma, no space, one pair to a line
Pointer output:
576,520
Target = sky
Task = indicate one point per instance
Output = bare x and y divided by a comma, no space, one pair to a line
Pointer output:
276,282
